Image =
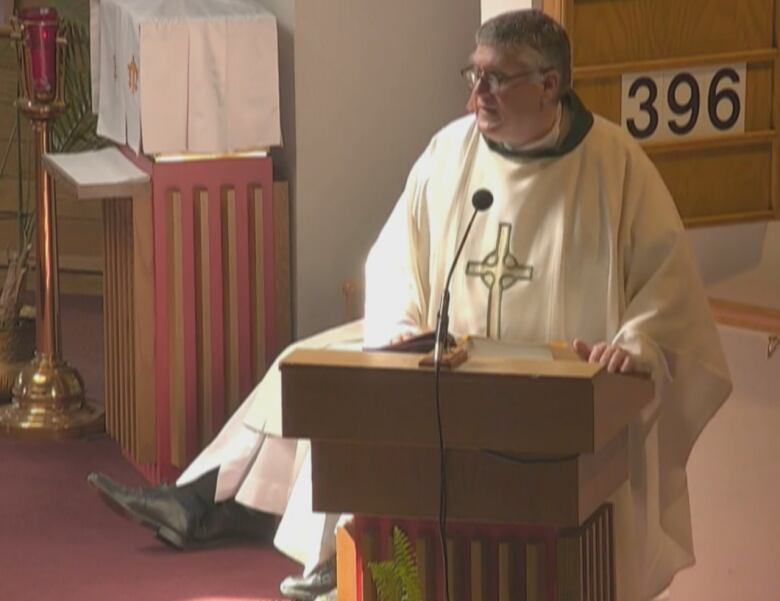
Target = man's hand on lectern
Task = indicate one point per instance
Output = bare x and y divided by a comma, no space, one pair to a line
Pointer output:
403,337
615,357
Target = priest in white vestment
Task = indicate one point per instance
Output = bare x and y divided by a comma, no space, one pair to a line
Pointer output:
583,243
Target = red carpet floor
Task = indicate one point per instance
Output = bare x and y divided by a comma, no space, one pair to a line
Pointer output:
59,542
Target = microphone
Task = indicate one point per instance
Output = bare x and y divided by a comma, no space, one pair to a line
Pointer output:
481,200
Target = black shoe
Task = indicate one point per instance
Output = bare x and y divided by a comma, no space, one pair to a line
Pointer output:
231,520
321,581
182,516
173,513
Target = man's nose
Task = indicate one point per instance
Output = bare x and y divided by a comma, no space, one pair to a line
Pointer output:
482,86
471,104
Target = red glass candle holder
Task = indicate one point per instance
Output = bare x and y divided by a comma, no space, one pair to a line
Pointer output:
40,36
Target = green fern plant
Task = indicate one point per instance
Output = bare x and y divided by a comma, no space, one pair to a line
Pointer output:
398,579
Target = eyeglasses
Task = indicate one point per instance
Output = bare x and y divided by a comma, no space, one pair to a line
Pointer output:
496,81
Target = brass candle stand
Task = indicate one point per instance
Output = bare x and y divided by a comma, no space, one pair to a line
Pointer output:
48,398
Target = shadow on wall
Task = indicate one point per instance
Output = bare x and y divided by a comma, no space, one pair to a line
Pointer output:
727,250
740,262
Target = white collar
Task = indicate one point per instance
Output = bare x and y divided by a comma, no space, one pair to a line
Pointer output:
548,140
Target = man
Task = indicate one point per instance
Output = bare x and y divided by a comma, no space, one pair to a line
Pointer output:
582,243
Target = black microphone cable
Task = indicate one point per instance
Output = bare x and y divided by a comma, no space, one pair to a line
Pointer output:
442,485
481,201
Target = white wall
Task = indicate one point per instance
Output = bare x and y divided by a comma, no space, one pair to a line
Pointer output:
740,262
370,82
284,157
490,8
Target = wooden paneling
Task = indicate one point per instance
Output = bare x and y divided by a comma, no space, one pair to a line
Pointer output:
720,179
775,99
128,340
569,567
507,572
603,93
369,552
758,95
611,31
230,298
256,283
535,571
8,194
378,479
743,315
80,238
457,578
178,424
706,183
118,349
585,562
171,416
70,209
203,311
143,330
426,547
8,237
477,580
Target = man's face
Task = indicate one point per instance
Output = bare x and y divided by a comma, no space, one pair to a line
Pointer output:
523,107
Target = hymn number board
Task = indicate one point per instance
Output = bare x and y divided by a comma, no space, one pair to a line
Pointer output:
697,84
690,103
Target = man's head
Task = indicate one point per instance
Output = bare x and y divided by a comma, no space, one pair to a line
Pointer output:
520,69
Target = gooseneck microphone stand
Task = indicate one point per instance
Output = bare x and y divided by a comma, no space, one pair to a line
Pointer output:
481,201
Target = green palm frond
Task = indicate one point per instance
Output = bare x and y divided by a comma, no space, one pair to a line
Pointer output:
76,128
398,579
72,10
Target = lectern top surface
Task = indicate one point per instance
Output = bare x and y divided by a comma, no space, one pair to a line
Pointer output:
473,365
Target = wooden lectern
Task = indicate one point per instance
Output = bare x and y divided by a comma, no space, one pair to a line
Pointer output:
534,450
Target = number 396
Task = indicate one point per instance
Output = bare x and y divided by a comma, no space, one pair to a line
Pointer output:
695,102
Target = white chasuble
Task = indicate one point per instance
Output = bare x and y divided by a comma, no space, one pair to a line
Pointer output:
585,243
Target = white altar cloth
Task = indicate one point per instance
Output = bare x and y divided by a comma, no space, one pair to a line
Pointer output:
176,76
